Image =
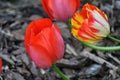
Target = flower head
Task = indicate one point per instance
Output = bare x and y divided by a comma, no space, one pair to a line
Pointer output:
44,43
0,65
60,9
90,25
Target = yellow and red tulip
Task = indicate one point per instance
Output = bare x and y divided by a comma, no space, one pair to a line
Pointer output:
44,43
60,9
90,25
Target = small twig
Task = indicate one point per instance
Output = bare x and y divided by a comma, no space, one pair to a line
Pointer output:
6,58
114,58
70,50
6,33
1,78
98,59
42,71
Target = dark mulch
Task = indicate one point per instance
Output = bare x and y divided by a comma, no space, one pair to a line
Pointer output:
15,16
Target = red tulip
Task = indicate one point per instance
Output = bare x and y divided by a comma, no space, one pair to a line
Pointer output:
44,43
90,25
0,65
60,9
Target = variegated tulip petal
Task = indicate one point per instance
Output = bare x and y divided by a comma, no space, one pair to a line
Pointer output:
90,25
100,24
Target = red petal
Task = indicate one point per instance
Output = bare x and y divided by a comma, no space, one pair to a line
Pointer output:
35,27
57,42
87,30
58,9
46,45
0,65
88,7
47,7
39,56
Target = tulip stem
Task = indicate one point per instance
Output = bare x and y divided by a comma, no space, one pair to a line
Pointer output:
59,72
113,39
69,25
111,48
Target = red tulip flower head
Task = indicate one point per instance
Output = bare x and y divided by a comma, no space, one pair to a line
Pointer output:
90,25
0,65
60,9
44,43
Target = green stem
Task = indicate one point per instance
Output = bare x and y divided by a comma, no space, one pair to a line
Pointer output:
69,25
112,48
59,72
114,39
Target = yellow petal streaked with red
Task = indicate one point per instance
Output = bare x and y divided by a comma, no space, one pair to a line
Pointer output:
90,25
76,21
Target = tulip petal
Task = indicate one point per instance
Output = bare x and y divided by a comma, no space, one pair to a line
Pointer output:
57,42
63,12
101,23
39,56
35,27
0,65
46,45
90,25
60,9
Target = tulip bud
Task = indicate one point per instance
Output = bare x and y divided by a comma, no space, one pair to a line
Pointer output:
44,43
60,9
0,65
90,25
